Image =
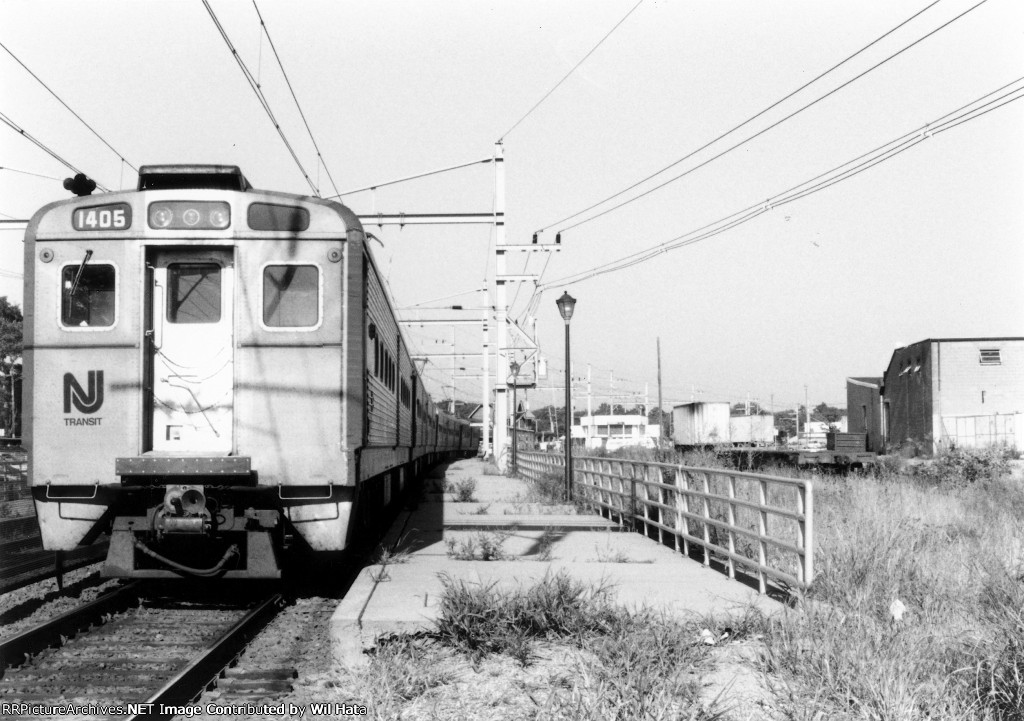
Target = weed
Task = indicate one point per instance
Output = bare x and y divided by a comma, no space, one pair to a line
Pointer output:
607,555
545,544
463,490
637,665
481,546
483,510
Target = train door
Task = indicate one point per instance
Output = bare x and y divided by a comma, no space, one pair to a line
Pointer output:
191,351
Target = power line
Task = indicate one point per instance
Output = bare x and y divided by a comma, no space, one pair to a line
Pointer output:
42,146
292,91
971,111
27,172
566,77
260,96
80,118
764,130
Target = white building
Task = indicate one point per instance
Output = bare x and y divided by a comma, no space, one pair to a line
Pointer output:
614,432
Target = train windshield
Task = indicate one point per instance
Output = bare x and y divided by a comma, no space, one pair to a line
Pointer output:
90,301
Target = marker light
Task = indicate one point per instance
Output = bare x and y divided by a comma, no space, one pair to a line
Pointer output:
160,217
189,215
219,218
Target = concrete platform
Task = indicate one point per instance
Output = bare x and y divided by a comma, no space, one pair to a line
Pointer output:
528,540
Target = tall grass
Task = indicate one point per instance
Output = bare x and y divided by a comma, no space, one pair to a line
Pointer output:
952,552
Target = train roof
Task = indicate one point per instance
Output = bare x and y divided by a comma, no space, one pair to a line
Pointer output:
195,182
177,177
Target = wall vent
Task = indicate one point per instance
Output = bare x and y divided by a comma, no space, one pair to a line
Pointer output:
990,357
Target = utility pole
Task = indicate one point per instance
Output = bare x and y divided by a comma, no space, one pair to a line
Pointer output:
501,308
486,397
807,409
661,408
455,365
590,398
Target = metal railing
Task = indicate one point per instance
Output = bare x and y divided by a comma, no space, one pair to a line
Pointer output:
762,524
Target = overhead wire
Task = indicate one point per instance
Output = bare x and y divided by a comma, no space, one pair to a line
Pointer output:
571,71
68,107
27,172
837,174
42,146
287,81
763,130
260,96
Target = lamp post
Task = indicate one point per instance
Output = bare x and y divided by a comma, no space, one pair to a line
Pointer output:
515,417
566,304
14,408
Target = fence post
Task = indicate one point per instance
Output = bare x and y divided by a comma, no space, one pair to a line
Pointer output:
762,534
807,531
707,517
684,494
656,472
732,524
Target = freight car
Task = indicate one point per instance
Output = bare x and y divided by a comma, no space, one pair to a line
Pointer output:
213,373
712,424
750,440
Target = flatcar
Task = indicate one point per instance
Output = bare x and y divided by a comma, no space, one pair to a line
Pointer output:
212,374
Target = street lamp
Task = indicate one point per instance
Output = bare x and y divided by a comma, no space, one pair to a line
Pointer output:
14,408
515,417
566,304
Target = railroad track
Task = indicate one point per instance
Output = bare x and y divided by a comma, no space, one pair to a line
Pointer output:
134,654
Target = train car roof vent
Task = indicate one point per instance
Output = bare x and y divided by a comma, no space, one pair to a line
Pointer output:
177,177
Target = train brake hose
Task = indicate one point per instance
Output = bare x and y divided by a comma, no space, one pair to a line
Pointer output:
201,572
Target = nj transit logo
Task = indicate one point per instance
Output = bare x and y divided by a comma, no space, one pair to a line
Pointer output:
85,401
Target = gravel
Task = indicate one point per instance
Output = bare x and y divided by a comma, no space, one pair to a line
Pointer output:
40,601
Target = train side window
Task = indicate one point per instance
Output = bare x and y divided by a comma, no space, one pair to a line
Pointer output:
291,296
193,293
92,303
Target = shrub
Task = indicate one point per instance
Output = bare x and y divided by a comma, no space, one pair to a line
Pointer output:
958,466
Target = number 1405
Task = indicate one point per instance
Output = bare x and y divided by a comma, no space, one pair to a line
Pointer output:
106,217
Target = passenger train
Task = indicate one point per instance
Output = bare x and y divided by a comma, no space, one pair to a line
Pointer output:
214,373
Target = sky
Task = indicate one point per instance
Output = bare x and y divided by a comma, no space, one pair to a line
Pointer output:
927,244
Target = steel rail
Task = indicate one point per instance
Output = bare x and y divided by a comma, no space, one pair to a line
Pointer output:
14,650
190,683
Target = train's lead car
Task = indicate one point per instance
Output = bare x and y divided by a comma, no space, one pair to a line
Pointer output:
212,373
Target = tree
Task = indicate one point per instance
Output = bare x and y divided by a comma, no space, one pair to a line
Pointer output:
663,418
827,414
11,344
785,421
740,409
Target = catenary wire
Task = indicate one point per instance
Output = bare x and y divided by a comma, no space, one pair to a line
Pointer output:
766,129
566,77
28,172
68,107
42,146
837,174
260,96
305,122
745,122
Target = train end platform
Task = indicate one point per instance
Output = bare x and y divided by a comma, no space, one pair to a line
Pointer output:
503,536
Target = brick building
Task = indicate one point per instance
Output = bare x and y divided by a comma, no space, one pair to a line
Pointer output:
954,392
864,411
